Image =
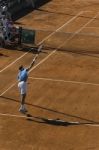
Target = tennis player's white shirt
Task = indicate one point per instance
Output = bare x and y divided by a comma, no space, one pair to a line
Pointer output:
23,87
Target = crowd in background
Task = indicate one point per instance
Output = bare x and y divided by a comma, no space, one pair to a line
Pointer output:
7,27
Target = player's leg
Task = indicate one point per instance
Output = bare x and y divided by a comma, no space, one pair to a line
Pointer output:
22,107
23,89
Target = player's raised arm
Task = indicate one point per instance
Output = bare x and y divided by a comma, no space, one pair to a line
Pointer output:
32,63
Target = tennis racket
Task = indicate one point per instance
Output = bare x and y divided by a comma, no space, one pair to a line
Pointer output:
38,50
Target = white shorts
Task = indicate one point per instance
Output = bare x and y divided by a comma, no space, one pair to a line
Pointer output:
23,87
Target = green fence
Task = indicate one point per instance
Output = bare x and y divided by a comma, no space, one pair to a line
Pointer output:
28,36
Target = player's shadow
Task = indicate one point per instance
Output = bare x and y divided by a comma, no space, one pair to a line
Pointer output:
56,122
88,121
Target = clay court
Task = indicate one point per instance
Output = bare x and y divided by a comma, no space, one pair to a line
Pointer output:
64,82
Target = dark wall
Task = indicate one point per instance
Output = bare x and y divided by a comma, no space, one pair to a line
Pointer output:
39,3
22,7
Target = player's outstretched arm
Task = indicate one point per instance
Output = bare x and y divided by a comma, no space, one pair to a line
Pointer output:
32,63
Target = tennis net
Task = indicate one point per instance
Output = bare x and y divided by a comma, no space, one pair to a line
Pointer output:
69,41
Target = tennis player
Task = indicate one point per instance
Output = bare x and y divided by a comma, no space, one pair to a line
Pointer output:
22,82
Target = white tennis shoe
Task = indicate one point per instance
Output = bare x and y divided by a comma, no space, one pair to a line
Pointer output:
22,109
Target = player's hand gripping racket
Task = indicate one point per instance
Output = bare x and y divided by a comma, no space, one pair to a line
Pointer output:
39,49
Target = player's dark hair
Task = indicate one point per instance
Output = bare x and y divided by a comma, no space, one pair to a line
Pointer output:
21,67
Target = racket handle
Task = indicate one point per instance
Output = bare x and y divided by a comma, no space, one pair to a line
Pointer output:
35,57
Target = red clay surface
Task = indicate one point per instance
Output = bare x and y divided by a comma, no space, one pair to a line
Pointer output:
62,84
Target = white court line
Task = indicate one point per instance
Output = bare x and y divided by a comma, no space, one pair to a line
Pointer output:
8,89
94,125
78,31
93,27
14,61
74,123
65,81
11,115
62,26
43,40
